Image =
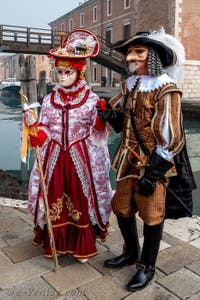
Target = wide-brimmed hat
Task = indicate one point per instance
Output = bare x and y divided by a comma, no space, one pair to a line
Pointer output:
77,44
154,40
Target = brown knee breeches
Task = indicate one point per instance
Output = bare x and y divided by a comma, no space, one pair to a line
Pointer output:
126,201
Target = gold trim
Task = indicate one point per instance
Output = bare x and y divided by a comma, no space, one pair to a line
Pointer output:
85,256
74,213
71,223
71,253
56,209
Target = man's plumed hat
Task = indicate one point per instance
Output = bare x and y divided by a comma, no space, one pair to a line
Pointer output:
166,45
169,49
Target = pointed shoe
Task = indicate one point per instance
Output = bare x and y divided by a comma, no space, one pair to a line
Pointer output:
142,277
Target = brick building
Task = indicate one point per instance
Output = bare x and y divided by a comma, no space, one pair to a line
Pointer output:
9,65
114,20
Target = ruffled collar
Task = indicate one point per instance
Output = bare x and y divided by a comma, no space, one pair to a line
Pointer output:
70,97
148,83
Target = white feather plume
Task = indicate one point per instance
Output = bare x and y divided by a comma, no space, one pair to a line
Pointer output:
175,71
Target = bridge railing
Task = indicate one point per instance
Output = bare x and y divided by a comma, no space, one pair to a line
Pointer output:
20,34
110,52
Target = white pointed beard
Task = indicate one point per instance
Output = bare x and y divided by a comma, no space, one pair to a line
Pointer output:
132,67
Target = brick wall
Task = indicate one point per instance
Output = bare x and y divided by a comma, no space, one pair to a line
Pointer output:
191,85
190,28
188,32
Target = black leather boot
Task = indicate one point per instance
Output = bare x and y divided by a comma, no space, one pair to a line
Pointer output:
146,266
142,277
131,253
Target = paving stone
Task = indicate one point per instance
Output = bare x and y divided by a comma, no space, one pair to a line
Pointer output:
113,222
163,245
182,283
22,251
25,216
125,274
101,246
91,281
174,258
13,213
66,260
30,290
106,288
75,294
181,228
23,210
14,238
196,243
170,239
195,297
14,231
114,242
4,260
2,243
72,277
20,272
5,212
98,262
152,292
195,267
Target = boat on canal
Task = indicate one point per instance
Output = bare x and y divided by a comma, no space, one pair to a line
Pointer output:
9,92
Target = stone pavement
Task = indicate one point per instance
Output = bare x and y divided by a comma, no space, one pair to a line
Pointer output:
26,274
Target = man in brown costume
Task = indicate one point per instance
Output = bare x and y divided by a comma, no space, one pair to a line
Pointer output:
148,112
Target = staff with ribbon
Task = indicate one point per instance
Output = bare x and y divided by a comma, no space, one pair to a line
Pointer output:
30,126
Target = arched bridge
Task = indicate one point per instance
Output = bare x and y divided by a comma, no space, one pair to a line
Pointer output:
18,39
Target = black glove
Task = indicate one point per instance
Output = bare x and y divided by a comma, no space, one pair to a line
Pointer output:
158,166
113,117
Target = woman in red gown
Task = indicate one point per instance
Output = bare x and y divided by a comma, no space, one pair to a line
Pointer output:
75,156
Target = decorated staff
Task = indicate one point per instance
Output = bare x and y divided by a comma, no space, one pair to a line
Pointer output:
30,127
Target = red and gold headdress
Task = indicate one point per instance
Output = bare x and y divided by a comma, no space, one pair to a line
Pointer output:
75,48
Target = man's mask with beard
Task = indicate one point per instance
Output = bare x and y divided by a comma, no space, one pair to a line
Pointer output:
137,58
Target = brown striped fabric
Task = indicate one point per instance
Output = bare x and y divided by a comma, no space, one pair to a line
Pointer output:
126,202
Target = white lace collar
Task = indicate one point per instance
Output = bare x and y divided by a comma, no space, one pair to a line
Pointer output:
148,83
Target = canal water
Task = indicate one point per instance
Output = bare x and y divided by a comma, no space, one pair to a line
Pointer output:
11,133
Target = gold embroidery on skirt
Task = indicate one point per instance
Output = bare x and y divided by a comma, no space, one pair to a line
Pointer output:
56,209
74,213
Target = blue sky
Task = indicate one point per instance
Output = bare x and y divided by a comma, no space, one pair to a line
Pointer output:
34,13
